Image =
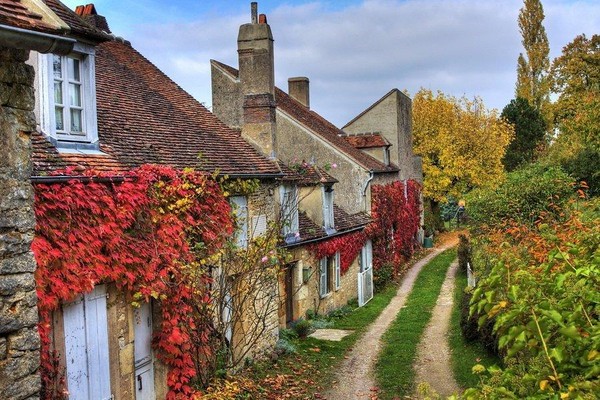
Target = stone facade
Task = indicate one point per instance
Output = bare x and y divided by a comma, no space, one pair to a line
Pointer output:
391,117
19,339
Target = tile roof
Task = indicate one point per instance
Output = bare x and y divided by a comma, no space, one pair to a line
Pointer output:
309,175
319,126
78,25
14,13
366,140
344,222
144,117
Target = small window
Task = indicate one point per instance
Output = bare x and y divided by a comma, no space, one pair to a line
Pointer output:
68,96
323,277
366,256
330,274
328,222
289,213
337,271
240,211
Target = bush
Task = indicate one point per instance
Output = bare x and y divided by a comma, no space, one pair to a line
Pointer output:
302,328
470,328
382,276
527,194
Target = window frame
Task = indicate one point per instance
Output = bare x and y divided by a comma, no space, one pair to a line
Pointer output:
330,275
289,213
89,123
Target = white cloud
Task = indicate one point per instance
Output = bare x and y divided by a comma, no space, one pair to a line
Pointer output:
355,55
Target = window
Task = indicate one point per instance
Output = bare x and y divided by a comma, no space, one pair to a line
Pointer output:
328,222
366,256
240,211
68,96
289,213
386,156
330,275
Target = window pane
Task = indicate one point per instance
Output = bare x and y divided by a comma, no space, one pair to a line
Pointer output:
58,96
73,64
75,94
75,120
57,67
58,113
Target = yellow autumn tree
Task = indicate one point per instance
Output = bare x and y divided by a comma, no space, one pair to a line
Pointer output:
461,142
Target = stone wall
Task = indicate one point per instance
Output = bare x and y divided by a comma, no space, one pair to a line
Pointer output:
19,339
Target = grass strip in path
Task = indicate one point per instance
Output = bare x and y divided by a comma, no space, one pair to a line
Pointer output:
394,369
465,354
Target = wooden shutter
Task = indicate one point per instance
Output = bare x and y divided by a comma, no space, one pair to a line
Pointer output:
338,271
323,289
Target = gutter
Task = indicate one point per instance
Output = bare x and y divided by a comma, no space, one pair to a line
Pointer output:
79,178
11,36
365,186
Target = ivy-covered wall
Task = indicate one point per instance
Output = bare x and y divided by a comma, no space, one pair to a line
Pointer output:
19,339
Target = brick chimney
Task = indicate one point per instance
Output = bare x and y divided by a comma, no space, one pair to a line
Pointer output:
257,80
298,88
89,14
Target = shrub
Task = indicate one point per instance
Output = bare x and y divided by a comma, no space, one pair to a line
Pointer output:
525,196
302,328
382,276
464,253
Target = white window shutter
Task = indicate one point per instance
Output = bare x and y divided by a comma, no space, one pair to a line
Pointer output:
338,271
259,225
323,289
241,215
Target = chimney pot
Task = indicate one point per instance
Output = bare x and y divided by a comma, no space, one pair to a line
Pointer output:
254,12
262,19
298,89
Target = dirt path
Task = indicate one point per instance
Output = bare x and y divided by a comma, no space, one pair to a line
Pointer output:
433,354
354,379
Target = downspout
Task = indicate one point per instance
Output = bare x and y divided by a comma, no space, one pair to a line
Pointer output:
364,189
31,40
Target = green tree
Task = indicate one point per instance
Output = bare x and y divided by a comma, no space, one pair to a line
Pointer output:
532,68
576,80
530,130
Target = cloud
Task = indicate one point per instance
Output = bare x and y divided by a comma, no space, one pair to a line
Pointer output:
354,55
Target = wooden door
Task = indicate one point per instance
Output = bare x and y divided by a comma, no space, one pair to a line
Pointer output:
289,293
86,346
143,359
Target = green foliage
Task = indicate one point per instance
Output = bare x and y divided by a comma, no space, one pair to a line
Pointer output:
464,253
542,292
382,276
530,130
302,327
402,338
527,194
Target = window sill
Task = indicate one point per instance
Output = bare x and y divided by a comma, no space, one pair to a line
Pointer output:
325,296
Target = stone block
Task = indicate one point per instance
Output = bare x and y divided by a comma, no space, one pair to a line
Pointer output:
3,348
20,219
11,72
19,389
18,264
19,367
11,54
126,360
15,283
15,193
24,340
16,313
19,96
14,243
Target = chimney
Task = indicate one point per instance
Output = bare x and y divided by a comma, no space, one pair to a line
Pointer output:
298,89
257,82
89,14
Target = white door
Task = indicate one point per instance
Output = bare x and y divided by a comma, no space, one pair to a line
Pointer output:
144,365
86,346
365,276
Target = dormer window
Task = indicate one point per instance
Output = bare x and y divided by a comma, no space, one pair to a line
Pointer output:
386,155
328,222
68,96
289,213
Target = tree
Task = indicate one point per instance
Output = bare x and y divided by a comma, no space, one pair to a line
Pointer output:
462,144
576,79
530,129
532,68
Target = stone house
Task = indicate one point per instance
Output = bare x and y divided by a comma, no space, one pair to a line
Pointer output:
101,106
282,125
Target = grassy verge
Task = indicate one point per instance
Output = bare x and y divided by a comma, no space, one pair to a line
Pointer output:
465,354
308,371
394,369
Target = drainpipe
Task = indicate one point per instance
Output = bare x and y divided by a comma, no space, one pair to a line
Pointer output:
364,189
11,36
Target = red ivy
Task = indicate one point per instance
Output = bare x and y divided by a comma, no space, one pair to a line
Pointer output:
139,234
348,245
396,222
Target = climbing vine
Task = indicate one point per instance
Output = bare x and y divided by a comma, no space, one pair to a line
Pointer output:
153,234
348,245
396,213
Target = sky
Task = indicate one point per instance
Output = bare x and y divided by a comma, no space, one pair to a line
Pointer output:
354,51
